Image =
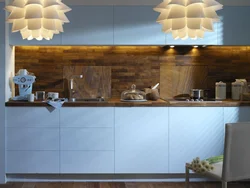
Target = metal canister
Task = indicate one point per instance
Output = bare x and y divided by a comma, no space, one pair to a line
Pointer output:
220,90
197,94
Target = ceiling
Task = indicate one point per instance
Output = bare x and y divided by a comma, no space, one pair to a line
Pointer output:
142,2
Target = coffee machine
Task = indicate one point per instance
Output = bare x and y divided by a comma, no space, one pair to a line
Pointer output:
25,80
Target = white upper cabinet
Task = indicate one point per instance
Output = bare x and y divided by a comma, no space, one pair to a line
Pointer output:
234,26
136,25
210,38
89,25
17,40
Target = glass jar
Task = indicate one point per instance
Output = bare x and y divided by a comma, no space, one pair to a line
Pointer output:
133,94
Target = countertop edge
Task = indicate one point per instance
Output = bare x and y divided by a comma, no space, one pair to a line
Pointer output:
118,103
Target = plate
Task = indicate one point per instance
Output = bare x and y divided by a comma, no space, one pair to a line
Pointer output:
124,100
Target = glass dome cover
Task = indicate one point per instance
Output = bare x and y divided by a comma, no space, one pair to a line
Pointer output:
133,94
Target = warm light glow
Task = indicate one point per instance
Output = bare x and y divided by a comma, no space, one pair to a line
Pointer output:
171,46
37,18
195,46
188,18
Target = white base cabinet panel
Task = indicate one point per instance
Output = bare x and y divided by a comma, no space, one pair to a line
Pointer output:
87,117
25,162
141,140
87,138
194,132
32,138
87,162
32,117
236,114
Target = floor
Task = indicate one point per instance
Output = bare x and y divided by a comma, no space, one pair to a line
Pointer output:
121,185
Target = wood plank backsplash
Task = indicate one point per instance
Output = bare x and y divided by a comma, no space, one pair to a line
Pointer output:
178,70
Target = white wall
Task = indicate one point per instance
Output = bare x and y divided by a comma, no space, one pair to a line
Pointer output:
6,70
2,99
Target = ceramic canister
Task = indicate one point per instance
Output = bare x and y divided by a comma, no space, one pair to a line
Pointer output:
220,91
236,90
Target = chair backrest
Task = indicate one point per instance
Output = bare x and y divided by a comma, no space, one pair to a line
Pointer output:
236,163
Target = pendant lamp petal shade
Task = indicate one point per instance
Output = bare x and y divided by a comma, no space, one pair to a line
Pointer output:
37,19
188,18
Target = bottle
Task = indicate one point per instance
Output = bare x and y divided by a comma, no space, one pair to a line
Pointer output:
236,90
220,90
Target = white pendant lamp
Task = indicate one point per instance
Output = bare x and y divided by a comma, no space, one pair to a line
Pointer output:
188,18
37,19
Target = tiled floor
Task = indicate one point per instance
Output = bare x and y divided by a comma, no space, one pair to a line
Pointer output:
121,185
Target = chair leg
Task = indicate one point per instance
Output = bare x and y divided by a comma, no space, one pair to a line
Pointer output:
224,184
187,177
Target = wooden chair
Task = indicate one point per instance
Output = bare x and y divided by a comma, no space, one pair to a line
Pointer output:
236,161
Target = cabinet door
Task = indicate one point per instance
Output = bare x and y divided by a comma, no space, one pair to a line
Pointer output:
236,114
25,162
87,117
141,140
16,39
87,140
194,132
32,117
210,38
32,140
89,25
234,29
94,162
136,25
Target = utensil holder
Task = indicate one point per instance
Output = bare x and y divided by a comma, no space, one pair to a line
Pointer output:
152,94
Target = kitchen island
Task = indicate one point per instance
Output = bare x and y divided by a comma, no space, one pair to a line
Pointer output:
114,140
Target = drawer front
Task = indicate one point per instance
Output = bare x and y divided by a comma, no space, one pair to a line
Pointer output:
24,162
87,117
87,162
32,138
32,117
87,139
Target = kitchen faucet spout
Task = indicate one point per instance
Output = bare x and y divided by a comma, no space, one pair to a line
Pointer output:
71,84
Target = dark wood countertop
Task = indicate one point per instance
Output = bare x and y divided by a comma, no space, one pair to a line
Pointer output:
118,103
109,103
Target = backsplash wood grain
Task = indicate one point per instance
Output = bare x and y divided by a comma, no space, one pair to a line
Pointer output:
95,81
178,70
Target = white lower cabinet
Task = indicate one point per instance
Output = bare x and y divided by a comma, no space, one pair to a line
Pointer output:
121,140
27,162
141,140
194,132
87,162
32,140
236,114
87,140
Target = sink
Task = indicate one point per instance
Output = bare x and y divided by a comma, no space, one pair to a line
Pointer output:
88,100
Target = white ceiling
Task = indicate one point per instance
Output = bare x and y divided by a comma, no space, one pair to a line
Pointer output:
142,2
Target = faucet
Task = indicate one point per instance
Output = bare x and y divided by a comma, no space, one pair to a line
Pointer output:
71,86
